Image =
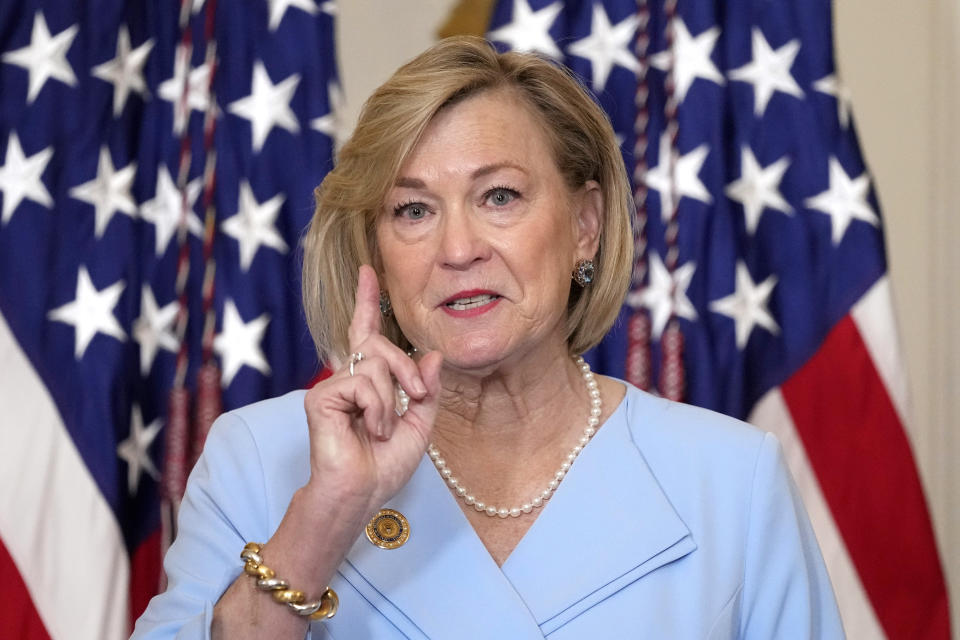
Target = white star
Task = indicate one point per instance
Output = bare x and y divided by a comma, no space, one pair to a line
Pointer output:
607,46
758,187
108,192
135,449
690,58
529,30
330,8
196,83
164,210
769,71
253,225
747,305
90,312
331,124
125,71
279,7
153,329
687,167
832,86
239,343
20,178
268,105
844,200
45,57
665,295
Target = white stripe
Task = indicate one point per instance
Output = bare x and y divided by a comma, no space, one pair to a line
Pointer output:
54,521
859,619
873,315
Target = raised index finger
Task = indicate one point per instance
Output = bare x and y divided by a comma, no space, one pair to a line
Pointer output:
366,312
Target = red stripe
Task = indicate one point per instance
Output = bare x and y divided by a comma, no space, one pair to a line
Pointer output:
144,575
862,458
20,617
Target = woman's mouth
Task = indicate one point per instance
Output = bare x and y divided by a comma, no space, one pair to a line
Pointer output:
472,302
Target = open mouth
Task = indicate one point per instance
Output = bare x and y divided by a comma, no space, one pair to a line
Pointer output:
463,304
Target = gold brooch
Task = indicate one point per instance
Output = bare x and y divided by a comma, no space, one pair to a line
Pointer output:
388,529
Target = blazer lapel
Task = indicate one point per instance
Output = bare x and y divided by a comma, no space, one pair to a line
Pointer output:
608,524
442,582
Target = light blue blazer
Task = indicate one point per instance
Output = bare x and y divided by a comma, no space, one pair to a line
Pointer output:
673,523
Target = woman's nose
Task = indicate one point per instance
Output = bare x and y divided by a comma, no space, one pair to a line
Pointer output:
462,240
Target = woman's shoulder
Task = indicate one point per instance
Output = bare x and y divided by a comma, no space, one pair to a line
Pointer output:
272,432
711,467
286,407
653,419
684,444
270,420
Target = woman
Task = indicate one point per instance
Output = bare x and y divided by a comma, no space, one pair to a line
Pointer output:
524,496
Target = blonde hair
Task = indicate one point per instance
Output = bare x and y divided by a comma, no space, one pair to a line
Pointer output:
341,235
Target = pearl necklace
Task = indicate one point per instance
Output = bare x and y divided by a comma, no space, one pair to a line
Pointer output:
538,501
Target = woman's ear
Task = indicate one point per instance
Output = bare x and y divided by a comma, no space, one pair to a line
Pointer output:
589,219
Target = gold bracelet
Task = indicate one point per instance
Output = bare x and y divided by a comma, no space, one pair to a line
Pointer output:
267,580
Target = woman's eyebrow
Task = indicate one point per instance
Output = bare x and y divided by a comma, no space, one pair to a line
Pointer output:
416,183
492,168
410,183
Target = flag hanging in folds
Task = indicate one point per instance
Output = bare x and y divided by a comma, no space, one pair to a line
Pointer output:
760,287
157,164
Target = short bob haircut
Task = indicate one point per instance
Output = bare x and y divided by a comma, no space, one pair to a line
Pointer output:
341,235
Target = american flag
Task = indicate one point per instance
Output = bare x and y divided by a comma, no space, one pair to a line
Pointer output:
761,286
157,163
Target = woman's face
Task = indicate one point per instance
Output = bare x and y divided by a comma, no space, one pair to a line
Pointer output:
479,235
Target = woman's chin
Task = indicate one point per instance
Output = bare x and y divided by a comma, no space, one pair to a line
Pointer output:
474,358
472,363
482,358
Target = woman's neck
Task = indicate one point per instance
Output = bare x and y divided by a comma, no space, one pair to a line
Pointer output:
519,409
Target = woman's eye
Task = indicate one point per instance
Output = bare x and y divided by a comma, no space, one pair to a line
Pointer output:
501,196
412,211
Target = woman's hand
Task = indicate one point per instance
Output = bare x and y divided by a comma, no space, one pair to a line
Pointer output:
361,451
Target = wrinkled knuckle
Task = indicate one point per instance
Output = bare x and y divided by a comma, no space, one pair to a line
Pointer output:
379,343
380,366
368,386
380,339
312,399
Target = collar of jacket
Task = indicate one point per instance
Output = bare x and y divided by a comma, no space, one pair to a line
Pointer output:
608,525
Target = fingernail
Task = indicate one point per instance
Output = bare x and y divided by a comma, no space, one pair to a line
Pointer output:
380,430
418,387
